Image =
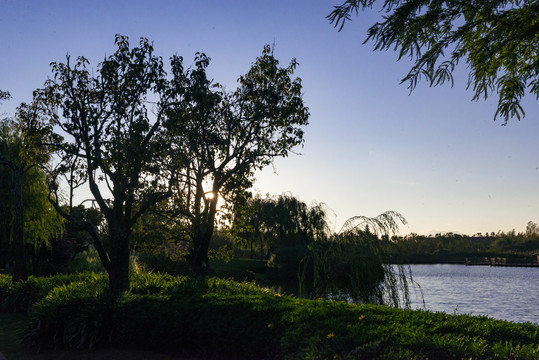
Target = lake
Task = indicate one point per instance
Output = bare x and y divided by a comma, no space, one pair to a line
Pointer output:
507,293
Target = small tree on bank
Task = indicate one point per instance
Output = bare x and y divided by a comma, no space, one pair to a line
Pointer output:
353,265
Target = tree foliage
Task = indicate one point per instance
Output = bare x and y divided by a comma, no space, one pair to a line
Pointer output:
273,223
386,223
157,233
5,95
225,136
353,265
24,155
516,247
136,135
41,222
497,40
110,140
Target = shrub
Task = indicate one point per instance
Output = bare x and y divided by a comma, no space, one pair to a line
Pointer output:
210,318
154,283
21,296
79,314
161,311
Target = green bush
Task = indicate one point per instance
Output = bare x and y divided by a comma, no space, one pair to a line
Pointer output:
5,285
5,282
21,296
207,316
160,311
154,283
79,314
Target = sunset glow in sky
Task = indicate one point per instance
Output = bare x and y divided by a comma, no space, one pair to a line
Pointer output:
433,155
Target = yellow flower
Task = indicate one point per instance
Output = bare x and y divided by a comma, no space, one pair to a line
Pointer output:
361,317
335,356
330,335
269,325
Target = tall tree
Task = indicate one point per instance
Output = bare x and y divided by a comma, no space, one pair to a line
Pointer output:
229,135
112,142
497,40
22,151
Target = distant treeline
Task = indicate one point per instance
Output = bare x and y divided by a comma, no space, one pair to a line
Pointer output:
454,248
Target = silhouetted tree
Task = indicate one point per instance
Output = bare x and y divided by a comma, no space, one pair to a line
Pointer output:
112,142
229,135
497,40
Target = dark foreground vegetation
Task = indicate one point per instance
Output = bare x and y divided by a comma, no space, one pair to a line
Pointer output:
216,318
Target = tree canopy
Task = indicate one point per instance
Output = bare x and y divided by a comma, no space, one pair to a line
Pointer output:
109,139
498,40
26,213
137,135
354,264
279,222
224,137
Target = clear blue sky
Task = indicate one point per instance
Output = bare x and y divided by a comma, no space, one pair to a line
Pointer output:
434,156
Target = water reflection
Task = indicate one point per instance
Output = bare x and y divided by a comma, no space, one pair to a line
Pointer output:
507,293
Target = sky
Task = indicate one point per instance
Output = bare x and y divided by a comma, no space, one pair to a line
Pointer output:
434,155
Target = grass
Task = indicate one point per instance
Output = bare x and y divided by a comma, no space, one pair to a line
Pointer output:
224,319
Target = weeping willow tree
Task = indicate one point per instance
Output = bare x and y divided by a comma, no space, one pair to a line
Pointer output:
26,215
352,264
496,39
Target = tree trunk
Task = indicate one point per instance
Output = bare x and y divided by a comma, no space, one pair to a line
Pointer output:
261,247
20,272
119,274
198,256
119,257
201,236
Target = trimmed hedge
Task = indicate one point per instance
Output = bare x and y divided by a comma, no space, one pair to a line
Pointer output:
226,319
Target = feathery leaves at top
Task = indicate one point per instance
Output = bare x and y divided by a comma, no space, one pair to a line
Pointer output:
497,39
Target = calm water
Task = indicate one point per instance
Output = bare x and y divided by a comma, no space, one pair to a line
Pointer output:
507,293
